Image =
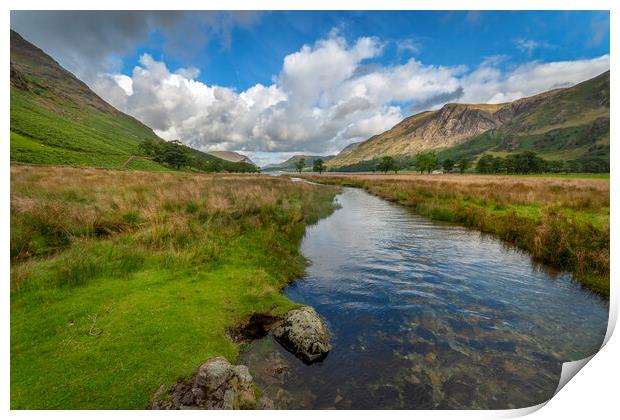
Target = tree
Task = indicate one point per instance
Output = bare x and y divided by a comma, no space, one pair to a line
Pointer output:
556,166
448,165
150,147
318,166
299,165
498,165
464,164
525,163
174,154
485,164
426,162
387,164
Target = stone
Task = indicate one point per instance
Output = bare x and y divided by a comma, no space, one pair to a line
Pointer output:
435,381
228,402
265,403
303,332
430,358
212,374
217,385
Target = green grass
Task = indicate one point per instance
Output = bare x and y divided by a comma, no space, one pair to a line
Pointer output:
165,278
28,150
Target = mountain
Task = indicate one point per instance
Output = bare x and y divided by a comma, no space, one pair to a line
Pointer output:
289,164
57,119
231,156
562,124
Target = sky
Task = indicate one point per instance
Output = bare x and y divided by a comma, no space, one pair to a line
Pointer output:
274,84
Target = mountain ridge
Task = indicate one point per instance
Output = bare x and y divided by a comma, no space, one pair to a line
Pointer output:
453,125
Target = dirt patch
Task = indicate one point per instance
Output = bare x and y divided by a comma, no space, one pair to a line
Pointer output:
257,326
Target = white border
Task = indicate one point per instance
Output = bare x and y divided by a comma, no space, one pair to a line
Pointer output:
592,394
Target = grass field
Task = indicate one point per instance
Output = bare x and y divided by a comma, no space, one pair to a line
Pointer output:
560,221
122,281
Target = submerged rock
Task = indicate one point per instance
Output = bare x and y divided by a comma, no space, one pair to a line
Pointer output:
303,332
217,385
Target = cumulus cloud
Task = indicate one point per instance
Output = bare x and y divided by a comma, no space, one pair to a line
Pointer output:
106,36
326,95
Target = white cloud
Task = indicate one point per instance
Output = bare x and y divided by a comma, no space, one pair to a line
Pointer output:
488,84
326,96
410,46
529,45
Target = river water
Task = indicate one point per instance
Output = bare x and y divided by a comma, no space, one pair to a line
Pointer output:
426,315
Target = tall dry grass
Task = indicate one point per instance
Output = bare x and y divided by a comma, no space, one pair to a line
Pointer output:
56,208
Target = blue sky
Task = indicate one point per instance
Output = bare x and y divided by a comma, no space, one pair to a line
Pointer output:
255,53
271,84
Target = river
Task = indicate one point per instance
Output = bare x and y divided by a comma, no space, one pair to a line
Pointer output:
426,315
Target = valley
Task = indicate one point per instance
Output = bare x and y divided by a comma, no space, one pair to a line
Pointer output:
452,261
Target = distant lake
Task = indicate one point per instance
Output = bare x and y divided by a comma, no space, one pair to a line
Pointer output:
427,315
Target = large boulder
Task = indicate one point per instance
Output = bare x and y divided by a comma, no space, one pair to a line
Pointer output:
303,332
217,385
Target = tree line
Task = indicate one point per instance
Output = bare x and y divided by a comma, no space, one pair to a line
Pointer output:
518,163
178,156
424,162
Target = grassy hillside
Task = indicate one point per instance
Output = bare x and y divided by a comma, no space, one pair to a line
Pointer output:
123,281
57,119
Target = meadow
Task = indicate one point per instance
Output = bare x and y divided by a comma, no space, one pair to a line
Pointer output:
560,221
123,280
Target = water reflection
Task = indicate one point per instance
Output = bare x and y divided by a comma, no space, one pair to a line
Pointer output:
426,315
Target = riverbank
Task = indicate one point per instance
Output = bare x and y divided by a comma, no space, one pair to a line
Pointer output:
562,222
123,281
426,315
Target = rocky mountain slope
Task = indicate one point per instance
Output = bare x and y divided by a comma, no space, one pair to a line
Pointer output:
526,124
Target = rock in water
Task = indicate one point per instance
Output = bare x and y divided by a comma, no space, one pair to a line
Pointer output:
217,385
303,332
